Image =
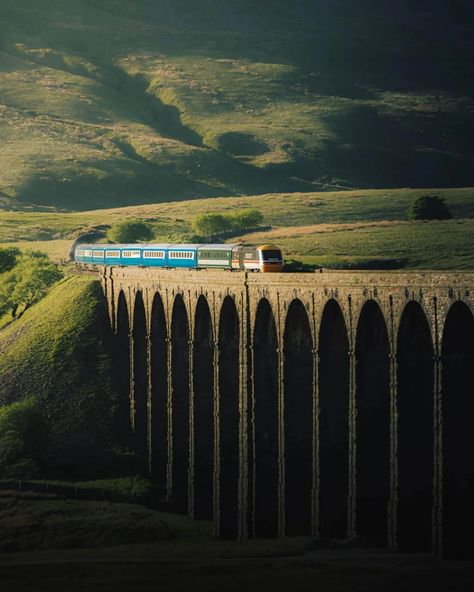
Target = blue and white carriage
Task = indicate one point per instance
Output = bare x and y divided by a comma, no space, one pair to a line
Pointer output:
192,256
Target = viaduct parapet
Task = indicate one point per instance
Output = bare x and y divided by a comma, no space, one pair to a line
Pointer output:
333,404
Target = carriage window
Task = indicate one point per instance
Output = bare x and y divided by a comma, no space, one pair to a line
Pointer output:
97,254
115,254
154,254
131,254
87,253
248,255
181,255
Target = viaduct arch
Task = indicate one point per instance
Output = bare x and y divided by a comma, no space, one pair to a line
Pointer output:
333,404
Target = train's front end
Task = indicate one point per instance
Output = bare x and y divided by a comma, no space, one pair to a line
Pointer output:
271,258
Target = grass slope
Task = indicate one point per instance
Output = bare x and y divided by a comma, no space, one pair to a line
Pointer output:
75,524
331,229
110,103
59,351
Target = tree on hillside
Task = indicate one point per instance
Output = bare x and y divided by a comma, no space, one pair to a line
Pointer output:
130,231
429,207
8,258
242,219
209,224
27,282
23,439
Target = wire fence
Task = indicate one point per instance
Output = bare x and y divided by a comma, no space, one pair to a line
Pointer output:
150,500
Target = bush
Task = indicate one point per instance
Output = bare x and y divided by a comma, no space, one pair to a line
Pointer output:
429,207
23,439
243,219
130,231
8,258
209,224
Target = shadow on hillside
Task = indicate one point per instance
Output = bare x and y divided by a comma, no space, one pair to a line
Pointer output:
165,119
133,180
398,149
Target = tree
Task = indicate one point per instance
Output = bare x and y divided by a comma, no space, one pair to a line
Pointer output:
429,207
8,258
23,438
27,282
242,219
209,224
130,231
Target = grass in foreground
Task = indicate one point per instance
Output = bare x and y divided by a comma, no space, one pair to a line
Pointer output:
110,547
40,522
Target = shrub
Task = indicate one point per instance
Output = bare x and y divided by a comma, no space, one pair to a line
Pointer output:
209,224
23,439
8,258
243,219
130,231
429,207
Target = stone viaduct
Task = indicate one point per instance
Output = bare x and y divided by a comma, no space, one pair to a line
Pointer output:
332,404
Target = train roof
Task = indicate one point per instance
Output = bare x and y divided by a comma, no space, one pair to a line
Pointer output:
219,246
213,246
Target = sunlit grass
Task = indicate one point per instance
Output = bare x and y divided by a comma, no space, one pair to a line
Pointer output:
423,245
327,227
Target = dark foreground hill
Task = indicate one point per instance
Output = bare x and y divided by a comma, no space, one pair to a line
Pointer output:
60,352
108,103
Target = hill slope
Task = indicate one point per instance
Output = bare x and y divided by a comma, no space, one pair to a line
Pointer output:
60,351
113,103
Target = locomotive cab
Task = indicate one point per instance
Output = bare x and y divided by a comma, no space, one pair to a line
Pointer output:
271,258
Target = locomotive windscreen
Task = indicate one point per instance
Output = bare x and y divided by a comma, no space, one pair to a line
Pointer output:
274,254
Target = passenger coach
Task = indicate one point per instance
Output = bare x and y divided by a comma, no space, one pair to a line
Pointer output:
264,258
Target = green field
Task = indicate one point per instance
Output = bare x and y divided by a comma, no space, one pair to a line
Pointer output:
105,104
330,229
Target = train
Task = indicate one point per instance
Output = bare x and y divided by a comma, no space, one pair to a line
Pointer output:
232,257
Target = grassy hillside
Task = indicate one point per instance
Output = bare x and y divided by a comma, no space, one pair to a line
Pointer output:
329,229
446,244
112,103
60,352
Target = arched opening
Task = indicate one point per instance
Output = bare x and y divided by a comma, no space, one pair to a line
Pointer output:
203,382
229,381
458,440
333,422
122,373
265,422
372,424
415,430
140,377
159,393
298,421
180,406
